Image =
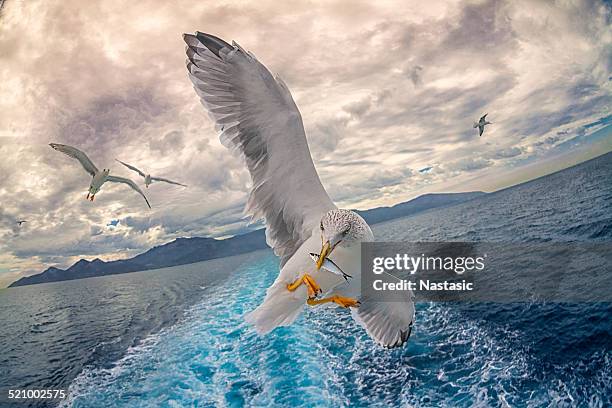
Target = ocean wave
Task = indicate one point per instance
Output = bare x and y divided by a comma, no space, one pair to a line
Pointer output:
459,355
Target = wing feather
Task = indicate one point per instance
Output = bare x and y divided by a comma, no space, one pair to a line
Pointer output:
165,180
132,168
76,154
131,183
257,117
388,323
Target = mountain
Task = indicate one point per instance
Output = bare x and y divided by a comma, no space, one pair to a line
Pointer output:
189,250
178,252
421,203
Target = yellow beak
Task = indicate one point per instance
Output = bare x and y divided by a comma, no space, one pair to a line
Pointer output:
325,251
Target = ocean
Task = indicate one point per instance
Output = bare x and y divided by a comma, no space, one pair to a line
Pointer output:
176,337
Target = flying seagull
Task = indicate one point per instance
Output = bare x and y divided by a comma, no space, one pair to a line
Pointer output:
481,124
99,177
20,222
257,117
148,179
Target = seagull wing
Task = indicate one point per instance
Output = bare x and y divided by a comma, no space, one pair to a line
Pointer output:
483,118
257,117
388,323
115,179
76,154
132,168
480,130
165,180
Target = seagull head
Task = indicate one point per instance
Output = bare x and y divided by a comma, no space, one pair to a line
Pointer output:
340,228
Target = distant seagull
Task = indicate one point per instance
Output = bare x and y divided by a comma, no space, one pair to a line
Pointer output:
99,177
20,222
148,179
481,124
425,170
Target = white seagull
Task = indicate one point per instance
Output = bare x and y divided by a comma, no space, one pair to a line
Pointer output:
20,222
257,117
481,124
148,179
99,177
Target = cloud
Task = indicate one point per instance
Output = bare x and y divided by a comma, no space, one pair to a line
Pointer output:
358,108
469,164
508,152
383,88
170,142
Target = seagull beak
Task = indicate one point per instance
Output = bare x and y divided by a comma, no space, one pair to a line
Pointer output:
325,251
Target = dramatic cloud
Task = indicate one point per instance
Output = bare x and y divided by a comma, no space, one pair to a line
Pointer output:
385,89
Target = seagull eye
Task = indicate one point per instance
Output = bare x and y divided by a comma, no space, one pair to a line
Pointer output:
321,226
345,232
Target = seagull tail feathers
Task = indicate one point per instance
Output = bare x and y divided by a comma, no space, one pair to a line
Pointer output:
279,308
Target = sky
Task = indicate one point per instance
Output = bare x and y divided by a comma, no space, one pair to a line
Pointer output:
385,89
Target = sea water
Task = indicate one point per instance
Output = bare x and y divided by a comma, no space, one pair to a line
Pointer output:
176,337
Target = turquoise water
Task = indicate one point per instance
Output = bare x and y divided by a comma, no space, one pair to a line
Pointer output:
457,356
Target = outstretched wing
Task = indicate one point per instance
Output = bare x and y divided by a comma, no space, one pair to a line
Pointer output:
480,130
388,323
257,117
132,168
165,180
76,154
483,118
115,179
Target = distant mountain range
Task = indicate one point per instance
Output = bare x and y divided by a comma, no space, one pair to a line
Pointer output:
189,250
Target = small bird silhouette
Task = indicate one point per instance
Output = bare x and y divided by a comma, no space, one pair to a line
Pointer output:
481,124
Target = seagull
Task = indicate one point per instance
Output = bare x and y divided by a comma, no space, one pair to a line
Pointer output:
148,179
256,116
99,177
20,222
481,124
